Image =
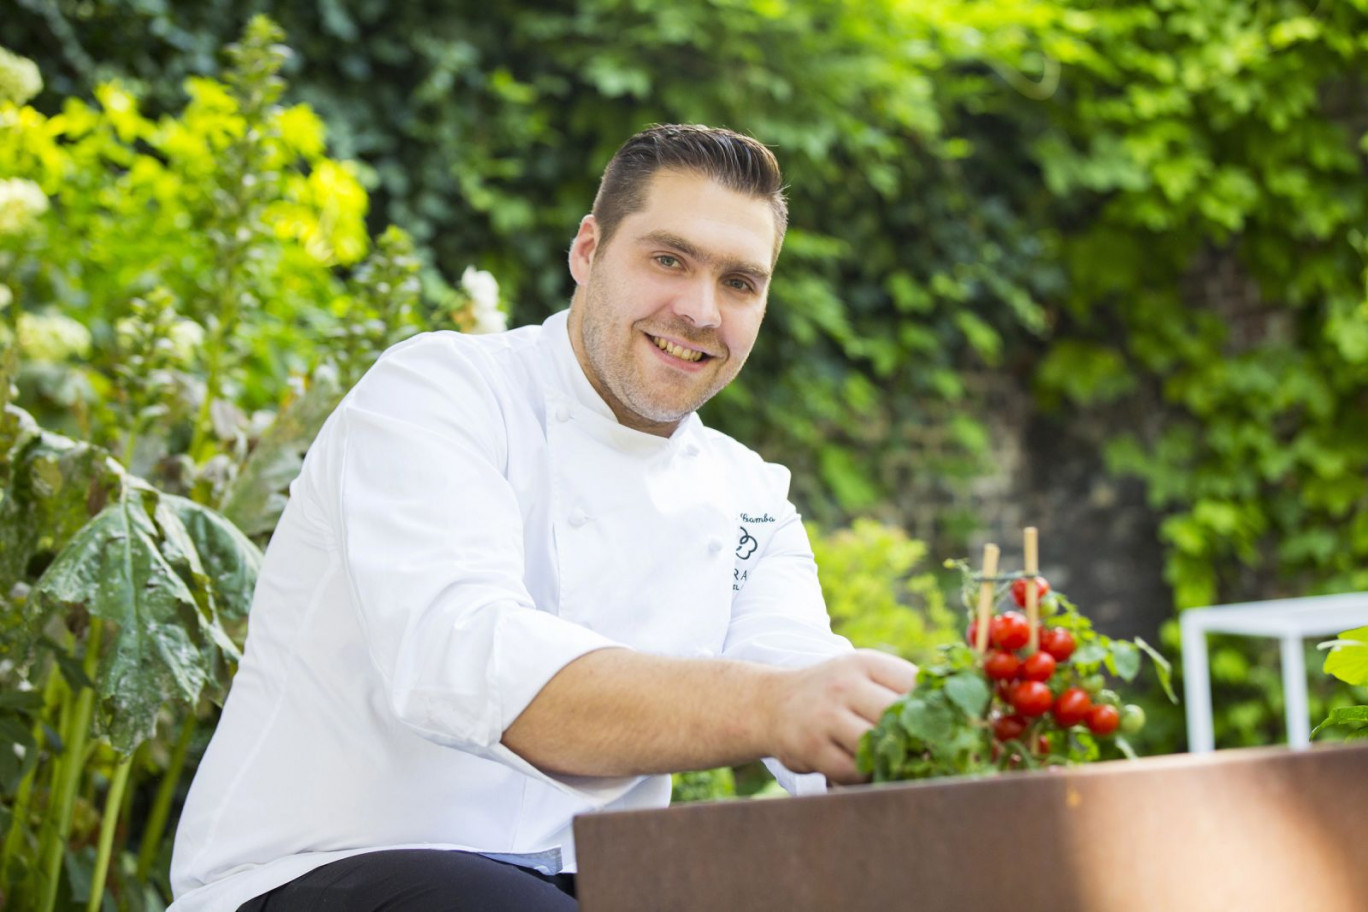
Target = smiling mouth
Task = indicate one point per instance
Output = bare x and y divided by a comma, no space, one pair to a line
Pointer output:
684,354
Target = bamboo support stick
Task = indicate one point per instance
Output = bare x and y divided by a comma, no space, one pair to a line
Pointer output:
986,590
1032,549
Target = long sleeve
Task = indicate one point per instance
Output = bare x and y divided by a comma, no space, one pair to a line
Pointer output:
432,540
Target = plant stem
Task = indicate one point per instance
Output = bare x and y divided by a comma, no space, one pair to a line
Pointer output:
19,820
161,805
113,801
67,774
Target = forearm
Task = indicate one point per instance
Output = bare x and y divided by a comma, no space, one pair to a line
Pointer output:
615,712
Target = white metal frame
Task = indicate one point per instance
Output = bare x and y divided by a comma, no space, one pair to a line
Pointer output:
1289,620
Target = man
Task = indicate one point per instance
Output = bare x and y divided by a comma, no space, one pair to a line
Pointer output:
518,580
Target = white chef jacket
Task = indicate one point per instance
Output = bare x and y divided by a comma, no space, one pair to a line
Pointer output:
471,518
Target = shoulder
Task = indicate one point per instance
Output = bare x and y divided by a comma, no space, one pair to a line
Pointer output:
751,473
455,374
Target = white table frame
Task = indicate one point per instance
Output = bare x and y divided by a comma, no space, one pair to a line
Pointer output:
1289,620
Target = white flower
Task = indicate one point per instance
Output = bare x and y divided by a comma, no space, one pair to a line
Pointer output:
186,338
489,321
483,289
19,78
52,337
21,201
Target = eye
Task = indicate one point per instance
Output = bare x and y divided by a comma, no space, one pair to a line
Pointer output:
740,284
669,262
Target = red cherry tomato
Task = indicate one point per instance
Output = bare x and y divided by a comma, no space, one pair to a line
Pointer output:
1019,590
1102,720
1042,744
1008,727
1001,666
1010,630
1032,698
1058,642
1004,690
1072,707
971,635
1039,666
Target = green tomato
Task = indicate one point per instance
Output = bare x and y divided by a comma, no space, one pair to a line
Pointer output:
1132,718
1093,684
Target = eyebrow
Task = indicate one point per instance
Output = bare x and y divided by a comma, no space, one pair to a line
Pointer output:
759,273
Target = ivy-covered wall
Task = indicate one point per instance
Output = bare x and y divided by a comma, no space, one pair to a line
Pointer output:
1146,216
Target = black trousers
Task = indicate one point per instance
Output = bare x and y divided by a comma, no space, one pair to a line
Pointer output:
420,880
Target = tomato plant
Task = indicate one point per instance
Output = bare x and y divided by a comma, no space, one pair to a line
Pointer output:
1013,707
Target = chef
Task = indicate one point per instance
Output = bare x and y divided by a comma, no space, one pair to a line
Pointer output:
518,580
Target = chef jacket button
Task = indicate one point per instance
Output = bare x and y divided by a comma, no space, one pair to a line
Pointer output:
715,545
577,518
562,413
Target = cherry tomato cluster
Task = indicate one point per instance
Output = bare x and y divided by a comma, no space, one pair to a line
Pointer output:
1033,690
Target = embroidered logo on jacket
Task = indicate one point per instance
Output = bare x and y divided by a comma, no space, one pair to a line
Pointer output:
747,545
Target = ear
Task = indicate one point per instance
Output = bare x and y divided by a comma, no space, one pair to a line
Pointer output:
583,248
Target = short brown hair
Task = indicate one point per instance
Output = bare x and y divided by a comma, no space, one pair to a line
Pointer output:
735,161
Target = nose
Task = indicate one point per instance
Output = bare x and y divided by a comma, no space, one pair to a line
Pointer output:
698,304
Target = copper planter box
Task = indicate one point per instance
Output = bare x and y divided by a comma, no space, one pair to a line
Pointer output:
1260,830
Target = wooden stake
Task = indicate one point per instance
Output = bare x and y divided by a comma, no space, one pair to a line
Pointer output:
986,589
1032,549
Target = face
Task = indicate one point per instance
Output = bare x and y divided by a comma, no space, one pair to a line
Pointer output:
666,312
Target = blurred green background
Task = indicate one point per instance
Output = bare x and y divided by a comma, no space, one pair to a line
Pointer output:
1100,267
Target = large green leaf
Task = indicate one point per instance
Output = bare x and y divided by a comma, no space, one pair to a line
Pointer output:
256,498
1348,658
227,556
969,692
50,486
163,643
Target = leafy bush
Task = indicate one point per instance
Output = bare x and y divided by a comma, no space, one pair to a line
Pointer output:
191,293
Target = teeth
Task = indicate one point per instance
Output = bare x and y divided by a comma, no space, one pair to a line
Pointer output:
685,354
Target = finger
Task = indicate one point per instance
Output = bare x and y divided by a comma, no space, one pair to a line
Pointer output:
847,730
870,700
889,670
839,766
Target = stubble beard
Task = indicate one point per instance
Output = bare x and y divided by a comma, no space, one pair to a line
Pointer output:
621,373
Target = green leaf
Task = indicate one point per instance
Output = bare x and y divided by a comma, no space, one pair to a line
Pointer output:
928,719
1126,659
256,497
160,646
1348,658
1344,715
1162,669
1125,748
969,692
1090,654
21,700
229,559
53,485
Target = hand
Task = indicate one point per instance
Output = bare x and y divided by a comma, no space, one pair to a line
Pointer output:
820,713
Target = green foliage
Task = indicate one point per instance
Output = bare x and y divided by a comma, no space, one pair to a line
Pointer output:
1347,660
1211,151
703,785
191,292
874,595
